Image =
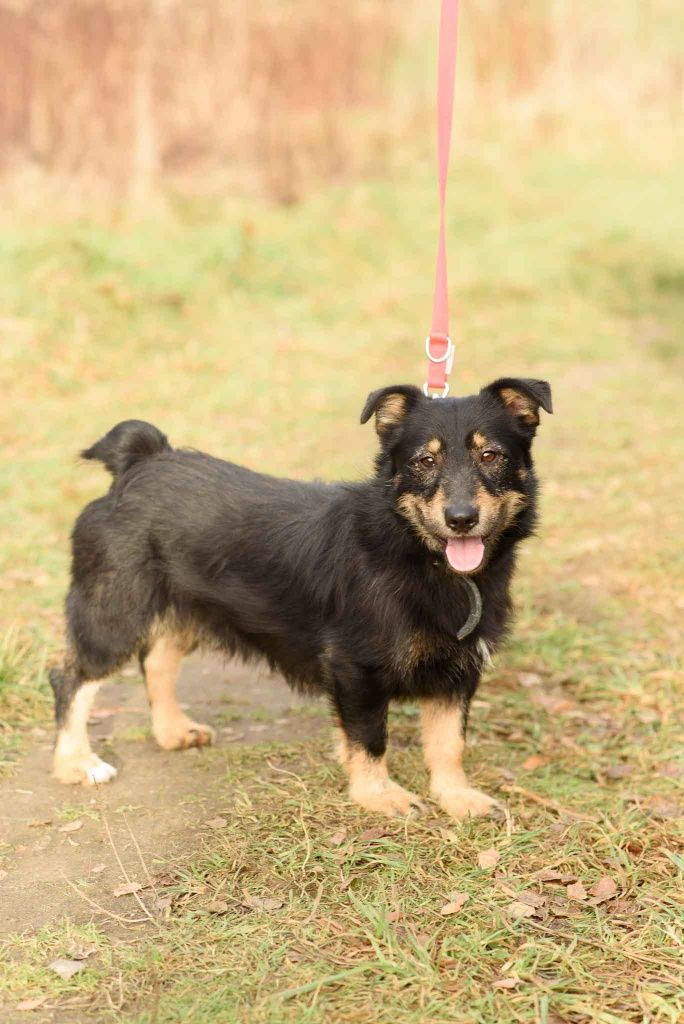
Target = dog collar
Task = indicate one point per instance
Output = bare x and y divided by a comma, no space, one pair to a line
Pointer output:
475,609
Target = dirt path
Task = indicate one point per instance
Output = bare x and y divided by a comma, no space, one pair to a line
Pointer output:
165,798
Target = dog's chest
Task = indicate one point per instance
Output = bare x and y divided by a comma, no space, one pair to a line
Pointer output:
421,648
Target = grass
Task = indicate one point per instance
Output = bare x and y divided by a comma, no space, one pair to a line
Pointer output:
256,333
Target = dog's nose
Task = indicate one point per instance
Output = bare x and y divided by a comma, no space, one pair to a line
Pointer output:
461,517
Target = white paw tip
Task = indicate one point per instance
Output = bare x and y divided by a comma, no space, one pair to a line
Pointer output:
101,772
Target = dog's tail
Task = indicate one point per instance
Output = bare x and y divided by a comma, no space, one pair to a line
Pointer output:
126,444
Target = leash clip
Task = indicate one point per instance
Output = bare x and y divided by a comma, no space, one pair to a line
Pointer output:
447,359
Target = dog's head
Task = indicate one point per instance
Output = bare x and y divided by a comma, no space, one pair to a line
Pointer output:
460,468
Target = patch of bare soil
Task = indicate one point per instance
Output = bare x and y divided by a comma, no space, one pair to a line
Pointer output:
52,835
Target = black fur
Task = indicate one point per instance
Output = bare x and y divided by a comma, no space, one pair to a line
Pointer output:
331,583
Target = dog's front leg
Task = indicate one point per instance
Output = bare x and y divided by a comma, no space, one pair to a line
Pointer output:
444,728
361,708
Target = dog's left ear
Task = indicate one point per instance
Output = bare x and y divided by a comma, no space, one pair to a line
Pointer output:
522,398
390,405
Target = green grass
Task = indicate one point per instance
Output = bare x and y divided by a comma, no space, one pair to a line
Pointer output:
256,333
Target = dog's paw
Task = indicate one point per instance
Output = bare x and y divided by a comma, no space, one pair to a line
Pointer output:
390,799
85,769
180,732
464,801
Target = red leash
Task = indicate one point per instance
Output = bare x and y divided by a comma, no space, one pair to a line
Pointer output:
438,345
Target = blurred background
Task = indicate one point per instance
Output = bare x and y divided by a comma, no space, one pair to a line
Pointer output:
117,99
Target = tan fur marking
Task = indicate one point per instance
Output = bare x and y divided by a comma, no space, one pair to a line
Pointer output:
479,440
498,509
444,745
434,446
414,509
390,412
371,787
74,761
172,728
522,474
520,405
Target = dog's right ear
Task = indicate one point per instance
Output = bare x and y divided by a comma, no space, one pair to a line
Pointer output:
390,405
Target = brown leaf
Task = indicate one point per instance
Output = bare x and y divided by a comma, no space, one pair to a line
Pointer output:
32,1004
128,889
518,909
454,905
71,826
337,838
576,892
506,982
376,832
534,761
552,875
261,902
531,899
216,823
488,858
40,823
604,889
66,968
216,907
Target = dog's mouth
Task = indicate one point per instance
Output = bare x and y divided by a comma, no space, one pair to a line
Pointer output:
464,554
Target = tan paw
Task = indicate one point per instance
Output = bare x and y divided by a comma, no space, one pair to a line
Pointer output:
83,769
389,798
180,732
464,801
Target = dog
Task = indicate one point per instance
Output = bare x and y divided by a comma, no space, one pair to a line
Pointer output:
391,589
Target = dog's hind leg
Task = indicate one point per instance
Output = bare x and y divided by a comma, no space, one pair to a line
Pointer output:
74,761
172,728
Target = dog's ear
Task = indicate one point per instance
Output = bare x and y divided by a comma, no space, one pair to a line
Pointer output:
522,398
390,406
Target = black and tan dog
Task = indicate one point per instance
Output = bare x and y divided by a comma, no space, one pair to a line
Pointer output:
396,588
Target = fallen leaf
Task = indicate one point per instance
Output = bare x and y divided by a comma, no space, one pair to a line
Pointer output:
534,761
216,907
40,824
488,858
604,889
576,892
128,889
71,826
532,899
518,909
551,875
66,968
76,952
376,832
97,869
529,679
337,838
216,822
506,982
32,1004
261,902
455,903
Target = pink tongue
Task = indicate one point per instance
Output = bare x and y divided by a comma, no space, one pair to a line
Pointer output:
465,553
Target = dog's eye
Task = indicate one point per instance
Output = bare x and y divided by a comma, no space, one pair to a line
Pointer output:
426,461
489,455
